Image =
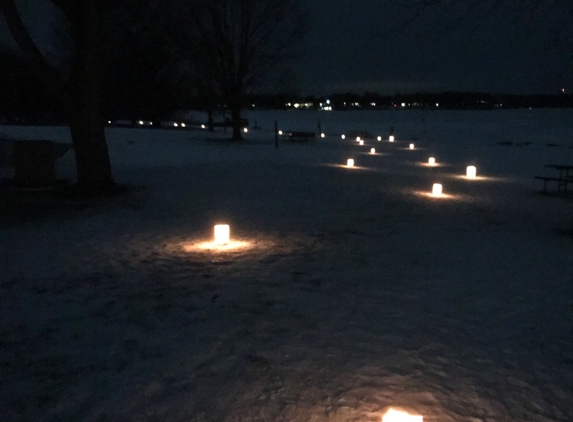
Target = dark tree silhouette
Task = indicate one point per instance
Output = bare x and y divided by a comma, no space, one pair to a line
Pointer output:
145,79
22,97
81,91
236,43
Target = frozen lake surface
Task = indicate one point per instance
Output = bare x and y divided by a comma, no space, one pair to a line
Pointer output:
354,290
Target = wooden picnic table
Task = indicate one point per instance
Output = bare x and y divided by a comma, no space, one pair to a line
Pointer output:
564,175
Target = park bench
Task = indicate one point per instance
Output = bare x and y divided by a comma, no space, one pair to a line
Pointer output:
301,136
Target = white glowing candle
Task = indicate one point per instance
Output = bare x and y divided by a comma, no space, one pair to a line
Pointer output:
202,126
437,189
175,124
343,136
391,139
432,161
245,130
361,142
141,122
322,135
358,138
471,172
372,150
280,132
182,124
398,416
411,146
222,234
379,138
350,163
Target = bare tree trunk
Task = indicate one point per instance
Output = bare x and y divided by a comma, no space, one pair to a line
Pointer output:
87,131
87,126
210,122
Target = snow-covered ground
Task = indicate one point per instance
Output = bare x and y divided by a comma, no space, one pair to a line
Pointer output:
355,291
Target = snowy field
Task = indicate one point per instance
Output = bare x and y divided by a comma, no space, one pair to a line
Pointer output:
354,290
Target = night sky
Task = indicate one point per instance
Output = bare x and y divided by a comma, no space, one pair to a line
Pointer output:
366,45
374,45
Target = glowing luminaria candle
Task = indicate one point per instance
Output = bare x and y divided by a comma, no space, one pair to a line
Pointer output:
182,124
222,234
372,150
202,126
411,146
361,142
350,163
245,130
471,172
175,124
379,138
432,161
343,136
391,139
322,135
358,139
280,132
437,189
398,416
141,122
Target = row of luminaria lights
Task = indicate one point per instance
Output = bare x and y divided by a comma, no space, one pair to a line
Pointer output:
142,122
222,231
246,130
359,139
437,188
323,135
280,132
